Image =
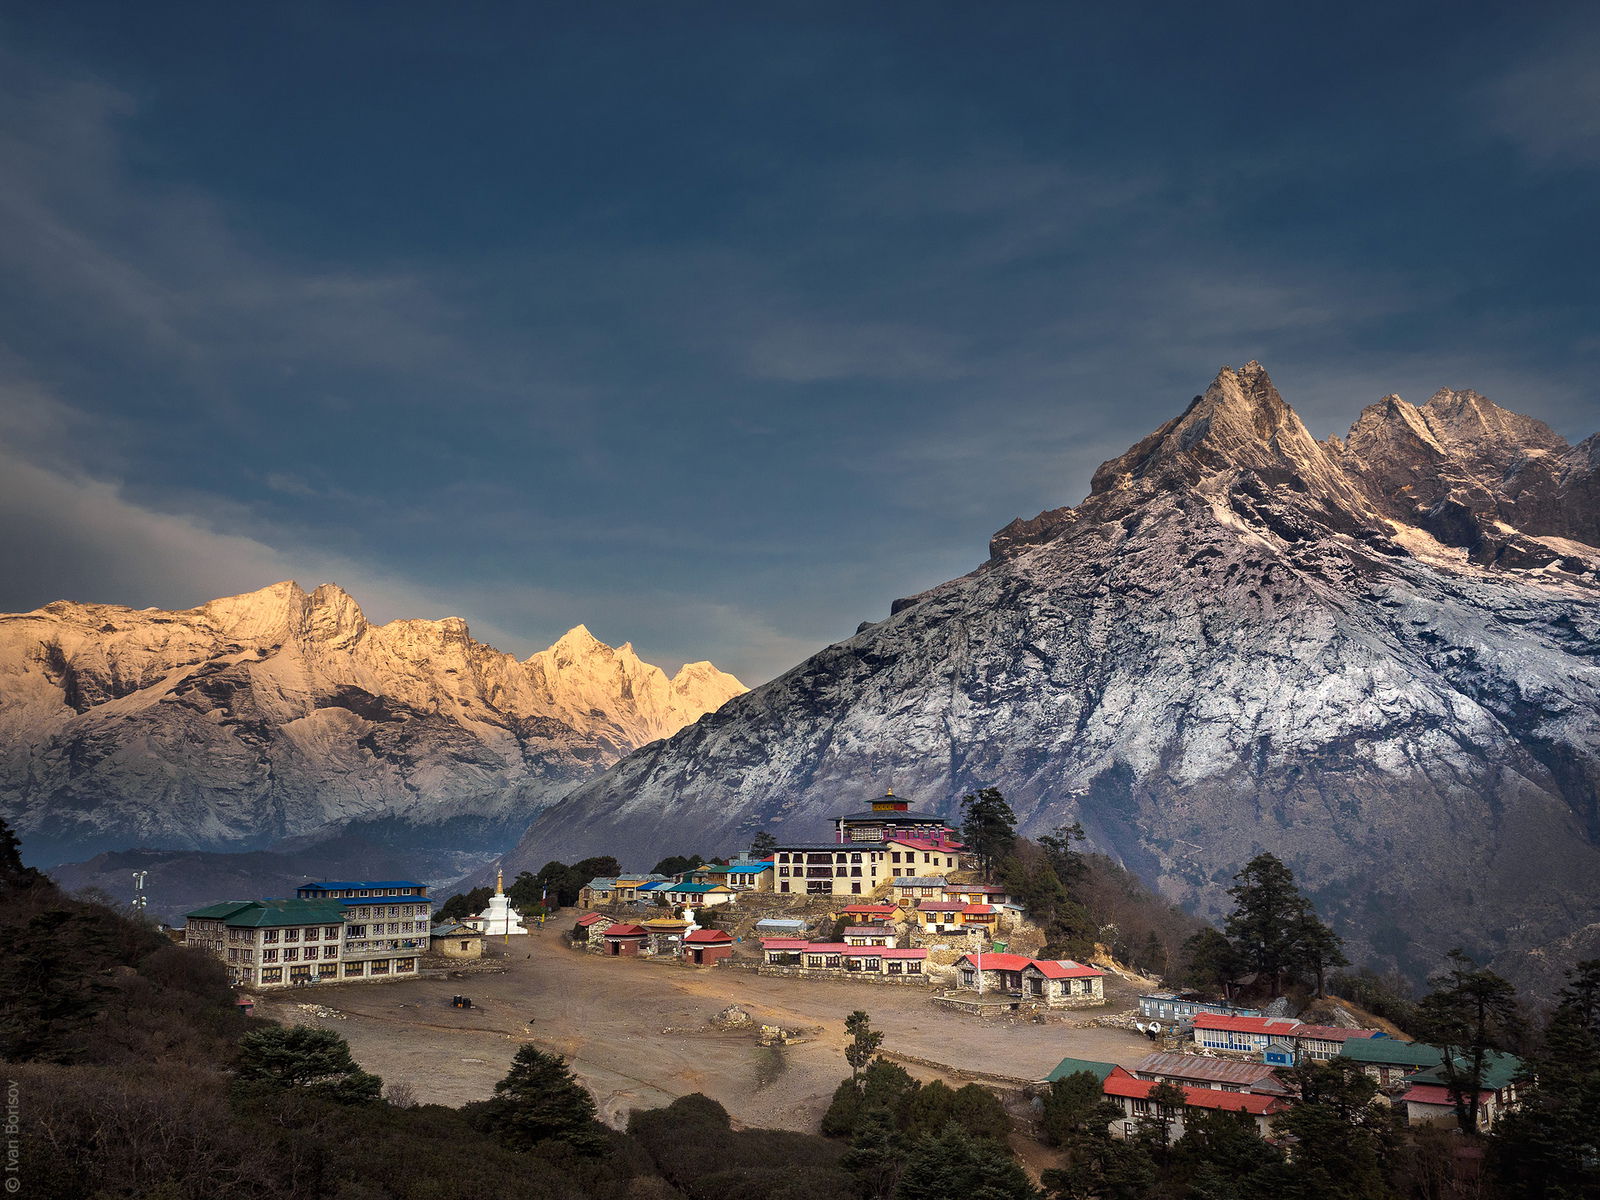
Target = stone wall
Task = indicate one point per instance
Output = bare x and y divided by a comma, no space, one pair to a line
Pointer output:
842,975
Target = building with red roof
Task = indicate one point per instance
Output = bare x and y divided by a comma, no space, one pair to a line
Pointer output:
1133,1094
836,960
706,947
624,941
1278,1041
1053,983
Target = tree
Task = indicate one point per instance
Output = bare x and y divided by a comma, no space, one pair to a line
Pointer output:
1273,927
1210,962
1166,1106
1317,948
1060,844
1153,955
315,1060
527,895
54,983
1548,1148
677,864
874,1157
988,827
864,1042
1343,1138
957,1166
462,905
1469,1014
1075,1110
763,845
540,1101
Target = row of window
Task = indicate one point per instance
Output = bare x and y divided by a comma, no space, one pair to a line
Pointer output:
822,887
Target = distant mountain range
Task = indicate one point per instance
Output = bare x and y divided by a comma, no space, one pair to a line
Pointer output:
284,718
1377,657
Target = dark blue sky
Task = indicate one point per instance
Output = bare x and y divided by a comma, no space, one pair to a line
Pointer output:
718,327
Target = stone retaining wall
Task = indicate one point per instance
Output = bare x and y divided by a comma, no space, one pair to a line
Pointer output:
840,975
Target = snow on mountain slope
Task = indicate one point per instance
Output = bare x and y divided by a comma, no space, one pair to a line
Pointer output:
1378,658
278,713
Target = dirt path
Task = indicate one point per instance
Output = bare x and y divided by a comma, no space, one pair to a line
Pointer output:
637,1033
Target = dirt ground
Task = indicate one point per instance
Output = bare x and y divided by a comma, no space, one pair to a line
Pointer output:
637,1032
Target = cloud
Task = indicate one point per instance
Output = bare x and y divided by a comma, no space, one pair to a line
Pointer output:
1549,104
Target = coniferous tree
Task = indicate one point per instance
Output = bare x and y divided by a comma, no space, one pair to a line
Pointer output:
864,1042
988,827
1548,1148
957,1166
315,1060
763,845
1210,961
1470,1013
1061,845
540,1101
1273,927
874,1157
1343,1137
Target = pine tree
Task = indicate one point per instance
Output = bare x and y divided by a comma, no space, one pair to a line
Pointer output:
763,845
864,1042
1343,1138
957,1166
1548,1148
1210,961
988,827
1468,1015
874,1157
539,1101
317,1060
1274,928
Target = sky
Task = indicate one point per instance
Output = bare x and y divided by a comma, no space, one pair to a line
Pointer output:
717,327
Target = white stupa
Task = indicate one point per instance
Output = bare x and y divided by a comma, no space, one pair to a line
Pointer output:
499,918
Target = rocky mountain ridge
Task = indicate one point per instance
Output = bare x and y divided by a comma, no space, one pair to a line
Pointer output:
1376,656
283,714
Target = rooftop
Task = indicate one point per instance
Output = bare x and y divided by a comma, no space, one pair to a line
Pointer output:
1499,1069
260,914
1072,1066
906,816
1203,1066
361,883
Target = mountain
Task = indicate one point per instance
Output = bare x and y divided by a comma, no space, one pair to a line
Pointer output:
286,715
1375,657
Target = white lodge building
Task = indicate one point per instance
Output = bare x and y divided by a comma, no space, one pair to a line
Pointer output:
331,932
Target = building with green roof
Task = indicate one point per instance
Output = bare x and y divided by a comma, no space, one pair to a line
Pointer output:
288,943
1074,1066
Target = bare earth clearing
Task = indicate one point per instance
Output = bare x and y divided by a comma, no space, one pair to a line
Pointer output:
637,1032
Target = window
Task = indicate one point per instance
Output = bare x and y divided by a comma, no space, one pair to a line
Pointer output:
312,935
291,954
895,966
270,936
269,956
405,964
291,935
330,952
839,870
855,889
380,967
353,969
832,960
914,967
784,873
855,858
783,887
272,975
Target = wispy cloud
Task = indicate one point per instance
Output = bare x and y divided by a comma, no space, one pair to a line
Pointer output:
1549,103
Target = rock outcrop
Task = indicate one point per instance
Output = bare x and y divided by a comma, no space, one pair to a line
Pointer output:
1377,657
282,714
